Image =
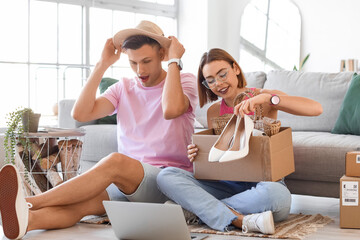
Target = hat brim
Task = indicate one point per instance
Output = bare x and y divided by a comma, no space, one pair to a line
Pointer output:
122,35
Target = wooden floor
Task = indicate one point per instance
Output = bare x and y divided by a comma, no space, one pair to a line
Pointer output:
300,204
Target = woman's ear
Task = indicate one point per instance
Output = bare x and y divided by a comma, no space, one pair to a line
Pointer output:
236,69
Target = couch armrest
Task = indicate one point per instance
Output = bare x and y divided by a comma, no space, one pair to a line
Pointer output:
65,118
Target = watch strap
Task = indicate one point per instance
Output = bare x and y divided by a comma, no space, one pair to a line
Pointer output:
177,61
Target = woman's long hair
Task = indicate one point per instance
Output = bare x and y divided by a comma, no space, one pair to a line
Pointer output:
215,54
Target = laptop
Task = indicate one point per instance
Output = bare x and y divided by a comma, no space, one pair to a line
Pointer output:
148,221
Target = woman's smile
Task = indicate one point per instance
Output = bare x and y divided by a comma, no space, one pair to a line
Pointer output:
223,90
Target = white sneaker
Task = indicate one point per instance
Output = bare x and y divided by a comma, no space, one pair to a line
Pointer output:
259,222
190,217
14,209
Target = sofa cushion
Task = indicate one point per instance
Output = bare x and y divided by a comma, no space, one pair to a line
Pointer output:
65,119
254,80
348,121
99,141
327,88
320,156
103,86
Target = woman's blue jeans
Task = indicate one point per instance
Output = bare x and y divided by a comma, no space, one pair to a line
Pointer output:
210,200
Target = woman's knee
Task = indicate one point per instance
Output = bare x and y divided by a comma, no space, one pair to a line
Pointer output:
279,200
168,176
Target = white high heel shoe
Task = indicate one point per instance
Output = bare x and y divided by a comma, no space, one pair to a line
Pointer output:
224,141
240,146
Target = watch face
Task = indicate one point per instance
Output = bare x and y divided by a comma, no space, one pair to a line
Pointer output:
275,100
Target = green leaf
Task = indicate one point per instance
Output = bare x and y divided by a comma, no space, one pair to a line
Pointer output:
304,61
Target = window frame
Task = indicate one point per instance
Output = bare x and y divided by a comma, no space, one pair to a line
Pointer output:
259,53
135,6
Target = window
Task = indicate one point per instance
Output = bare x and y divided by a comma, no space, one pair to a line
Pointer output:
51,46
270,35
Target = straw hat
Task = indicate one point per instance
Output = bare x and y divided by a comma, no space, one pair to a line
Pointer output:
145,28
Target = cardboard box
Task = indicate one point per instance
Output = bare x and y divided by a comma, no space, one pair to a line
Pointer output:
352,164
349,202
269,158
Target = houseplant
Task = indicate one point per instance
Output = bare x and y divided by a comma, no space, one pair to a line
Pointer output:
20,122
302,63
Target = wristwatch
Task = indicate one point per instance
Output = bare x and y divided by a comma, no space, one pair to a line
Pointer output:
274,100
177,61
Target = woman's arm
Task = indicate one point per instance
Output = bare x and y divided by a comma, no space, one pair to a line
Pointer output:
291,104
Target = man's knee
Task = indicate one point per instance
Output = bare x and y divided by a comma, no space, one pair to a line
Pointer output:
115,160
116,163
110,160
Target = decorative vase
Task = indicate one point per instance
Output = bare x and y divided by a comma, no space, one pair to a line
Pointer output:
30,121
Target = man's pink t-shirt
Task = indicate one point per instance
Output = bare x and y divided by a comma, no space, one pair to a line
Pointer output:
142,131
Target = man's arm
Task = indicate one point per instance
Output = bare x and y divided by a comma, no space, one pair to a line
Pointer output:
174,101
87,107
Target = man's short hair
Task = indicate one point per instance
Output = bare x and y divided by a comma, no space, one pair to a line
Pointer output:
137,41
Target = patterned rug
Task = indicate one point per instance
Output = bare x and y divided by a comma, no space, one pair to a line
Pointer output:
297,226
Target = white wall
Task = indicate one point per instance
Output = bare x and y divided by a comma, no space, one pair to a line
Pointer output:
224,20
206,24
329,30
193,30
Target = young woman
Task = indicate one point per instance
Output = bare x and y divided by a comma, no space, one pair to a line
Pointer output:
223,204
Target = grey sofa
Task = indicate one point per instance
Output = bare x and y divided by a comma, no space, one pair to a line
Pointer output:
319,154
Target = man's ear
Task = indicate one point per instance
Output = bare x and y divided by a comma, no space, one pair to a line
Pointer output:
162,53
236,69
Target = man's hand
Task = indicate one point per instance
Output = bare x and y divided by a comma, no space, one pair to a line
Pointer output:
176,49
109,54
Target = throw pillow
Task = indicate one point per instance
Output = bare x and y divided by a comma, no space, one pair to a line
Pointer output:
348,121
104,84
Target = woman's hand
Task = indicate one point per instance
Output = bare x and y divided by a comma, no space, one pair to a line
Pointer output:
176,49
110,53
192,152
247,106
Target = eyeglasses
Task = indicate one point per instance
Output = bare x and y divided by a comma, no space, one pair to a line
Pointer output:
210,83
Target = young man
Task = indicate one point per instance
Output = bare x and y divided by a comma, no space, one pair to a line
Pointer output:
155,115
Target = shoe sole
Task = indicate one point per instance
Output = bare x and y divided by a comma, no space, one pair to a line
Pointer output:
269,228
10,203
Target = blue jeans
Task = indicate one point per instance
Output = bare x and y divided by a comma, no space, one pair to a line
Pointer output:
210,200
